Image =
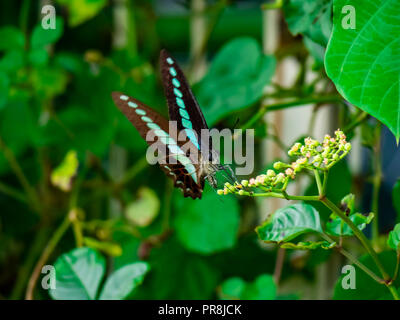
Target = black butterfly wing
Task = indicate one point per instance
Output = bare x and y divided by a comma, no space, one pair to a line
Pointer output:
185,172
182,105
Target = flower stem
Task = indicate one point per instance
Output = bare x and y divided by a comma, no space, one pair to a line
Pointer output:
363,239
325,183
354,260
318,180
285,196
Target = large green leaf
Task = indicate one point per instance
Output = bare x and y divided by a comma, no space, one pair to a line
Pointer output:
396,199
235,80
366,287
289,222
364,62
78,275
262,288
123,281
208,225
394,238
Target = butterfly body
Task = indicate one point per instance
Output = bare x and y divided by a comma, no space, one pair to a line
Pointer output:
187,158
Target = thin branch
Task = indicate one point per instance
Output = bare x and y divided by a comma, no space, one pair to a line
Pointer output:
16,168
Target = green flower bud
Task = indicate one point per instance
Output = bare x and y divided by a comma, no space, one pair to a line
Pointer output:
280,178
241,192
271,173
279,165
244,183
220,192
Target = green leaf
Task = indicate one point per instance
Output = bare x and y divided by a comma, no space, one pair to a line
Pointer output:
18,126
62,176
360,61
38,57
4,86
129,245
262,288
197,278
11,38
235,80
232,288
123,281
81,130
82,10
312,18
347,203
145,209
78,275
309,245
394,238
366,287
396,199
42,37
289,222
336,226
209,225
49,82
317,51
12,60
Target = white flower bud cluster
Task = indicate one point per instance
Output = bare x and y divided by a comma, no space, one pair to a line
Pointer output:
271,181
310,155
320,155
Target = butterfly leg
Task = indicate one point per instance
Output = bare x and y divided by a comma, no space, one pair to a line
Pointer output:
228,170
212,181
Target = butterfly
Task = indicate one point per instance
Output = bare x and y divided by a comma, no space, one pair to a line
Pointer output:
188,161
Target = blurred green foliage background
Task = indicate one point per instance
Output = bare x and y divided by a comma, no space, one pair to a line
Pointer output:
73,172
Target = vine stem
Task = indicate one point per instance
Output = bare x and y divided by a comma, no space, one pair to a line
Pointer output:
284,105
354,260
11,192
133,171
377,180
359,119
29,190
46,254
363,239
396,271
